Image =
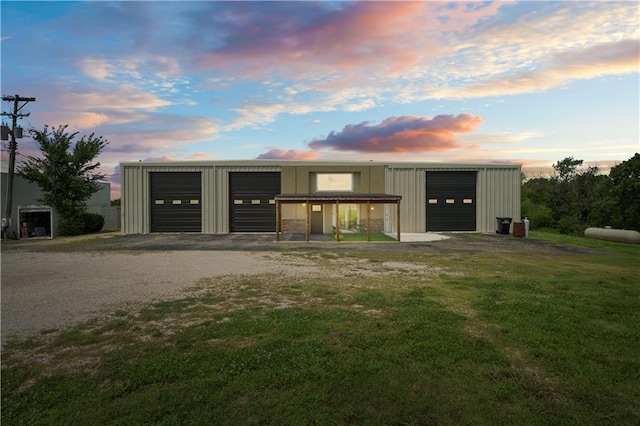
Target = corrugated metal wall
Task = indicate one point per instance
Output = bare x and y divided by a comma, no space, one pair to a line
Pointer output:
135,200
498,194
221,188
410,184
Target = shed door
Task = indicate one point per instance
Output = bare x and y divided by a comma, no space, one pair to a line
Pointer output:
451,201
176,201
252,201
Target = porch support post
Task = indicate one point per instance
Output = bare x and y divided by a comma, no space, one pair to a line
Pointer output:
307,228
278,220
398,219
337,221
368,221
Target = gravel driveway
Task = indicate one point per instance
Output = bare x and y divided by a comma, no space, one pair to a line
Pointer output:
48,284
44,290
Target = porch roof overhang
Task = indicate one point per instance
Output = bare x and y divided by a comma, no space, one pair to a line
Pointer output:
341,197
335,198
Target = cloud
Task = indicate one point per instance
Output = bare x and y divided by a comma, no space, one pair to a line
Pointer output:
125,97
80,120
98,69
288,154
161,132
287,37
161,159
401,134
202,156
620,57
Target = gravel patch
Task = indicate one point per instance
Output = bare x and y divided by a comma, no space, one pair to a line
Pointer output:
57,283
52,290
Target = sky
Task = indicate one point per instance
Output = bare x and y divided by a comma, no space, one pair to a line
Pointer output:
528,83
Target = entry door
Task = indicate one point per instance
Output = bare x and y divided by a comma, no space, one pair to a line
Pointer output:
451,201
317,219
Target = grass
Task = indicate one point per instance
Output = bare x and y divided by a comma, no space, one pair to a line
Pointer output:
413,338
362,236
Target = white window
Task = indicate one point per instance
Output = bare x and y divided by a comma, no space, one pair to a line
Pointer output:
334,182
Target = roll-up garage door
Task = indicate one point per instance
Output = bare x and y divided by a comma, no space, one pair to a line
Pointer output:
451,201
176,201
252,201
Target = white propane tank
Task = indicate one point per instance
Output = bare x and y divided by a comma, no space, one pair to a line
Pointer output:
526,227
608,234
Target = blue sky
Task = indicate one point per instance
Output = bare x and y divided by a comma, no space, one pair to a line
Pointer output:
520,82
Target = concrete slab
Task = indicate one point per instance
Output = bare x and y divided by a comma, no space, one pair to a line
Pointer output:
417,237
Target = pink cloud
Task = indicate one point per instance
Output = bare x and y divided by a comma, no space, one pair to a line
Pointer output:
288,37
80,120
202,156
401,134
287,154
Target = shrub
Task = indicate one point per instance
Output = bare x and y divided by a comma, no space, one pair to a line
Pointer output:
93,222
70,227
540,215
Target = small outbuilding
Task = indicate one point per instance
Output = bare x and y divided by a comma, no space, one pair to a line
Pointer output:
29,218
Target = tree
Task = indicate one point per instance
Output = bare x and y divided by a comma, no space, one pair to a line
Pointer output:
625,178
66,173
575,199
566,168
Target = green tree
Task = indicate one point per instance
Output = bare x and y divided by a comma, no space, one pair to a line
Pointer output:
537,199
566,169
571,201
625,179
66,173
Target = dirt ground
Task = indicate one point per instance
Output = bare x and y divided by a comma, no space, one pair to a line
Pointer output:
48,284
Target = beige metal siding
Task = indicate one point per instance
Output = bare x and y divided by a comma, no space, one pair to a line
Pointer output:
221,194
134,210
497,194
498,189
215,193
410,184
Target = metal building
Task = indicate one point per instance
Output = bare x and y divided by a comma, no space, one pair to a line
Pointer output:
298,196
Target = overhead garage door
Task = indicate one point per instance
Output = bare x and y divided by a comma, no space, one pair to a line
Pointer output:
451,201
252,201
176,202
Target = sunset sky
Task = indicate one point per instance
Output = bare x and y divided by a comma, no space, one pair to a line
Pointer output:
519,82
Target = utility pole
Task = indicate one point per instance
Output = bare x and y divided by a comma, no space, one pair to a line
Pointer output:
13,145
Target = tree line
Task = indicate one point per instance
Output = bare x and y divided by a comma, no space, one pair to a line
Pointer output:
577,197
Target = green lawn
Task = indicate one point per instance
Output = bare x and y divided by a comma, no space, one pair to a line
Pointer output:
467,338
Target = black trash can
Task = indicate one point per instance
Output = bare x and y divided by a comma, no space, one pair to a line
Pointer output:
504,223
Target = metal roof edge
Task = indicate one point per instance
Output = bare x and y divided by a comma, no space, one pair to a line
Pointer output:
281,163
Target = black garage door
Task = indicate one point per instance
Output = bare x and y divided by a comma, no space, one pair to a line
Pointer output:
176,202
451,201
251,198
